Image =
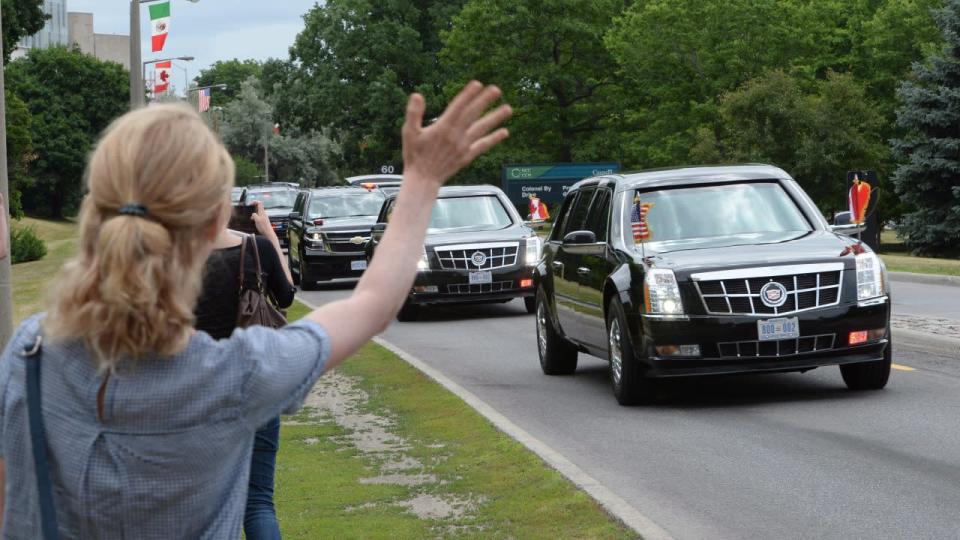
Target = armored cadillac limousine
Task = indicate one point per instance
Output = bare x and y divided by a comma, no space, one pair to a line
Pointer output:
707,270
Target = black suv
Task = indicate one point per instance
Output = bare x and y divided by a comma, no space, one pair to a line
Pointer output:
329,228
477,250
707,270
277,199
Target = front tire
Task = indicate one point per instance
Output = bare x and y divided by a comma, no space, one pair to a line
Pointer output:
557,356
530,303
410,312
307,283
630,387
869,375
296,275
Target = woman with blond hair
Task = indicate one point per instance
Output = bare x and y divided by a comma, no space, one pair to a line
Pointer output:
148,425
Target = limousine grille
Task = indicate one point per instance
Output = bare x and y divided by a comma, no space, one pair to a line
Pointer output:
480,288
777,348
467,257
738,292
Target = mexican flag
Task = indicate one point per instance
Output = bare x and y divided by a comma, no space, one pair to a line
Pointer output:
160,21
163,77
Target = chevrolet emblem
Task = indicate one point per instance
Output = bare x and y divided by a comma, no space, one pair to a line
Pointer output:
357,240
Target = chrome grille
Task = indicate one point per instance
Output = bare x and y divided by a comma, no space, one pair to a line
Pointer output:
737,292
340,241
461,257
481,288
777,348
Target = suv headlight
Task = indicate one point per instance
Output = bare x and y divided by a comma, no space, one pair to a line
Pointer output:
534,250
661,293
424,263
869,276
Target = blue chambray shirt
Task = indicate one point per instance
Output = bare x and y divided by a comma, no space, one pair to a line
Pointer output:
171,457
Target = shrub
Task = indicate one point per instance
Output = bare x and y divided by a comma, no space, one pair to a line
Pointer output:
25,245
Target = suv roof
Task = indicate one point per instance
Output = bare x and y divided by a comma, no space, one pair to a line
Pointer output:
272,185
375,178
338,190
674,176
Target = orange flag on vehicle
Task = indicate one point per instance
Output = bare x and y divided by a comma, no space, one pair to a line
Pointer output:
859,199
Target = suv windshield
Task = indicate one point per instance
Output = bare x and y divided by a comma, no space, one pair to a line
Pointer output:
480,213
274,198
697,214
341,206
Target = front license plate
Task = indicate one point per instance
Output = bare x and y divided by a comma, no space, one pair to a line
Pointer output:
775,329
358,265
479,278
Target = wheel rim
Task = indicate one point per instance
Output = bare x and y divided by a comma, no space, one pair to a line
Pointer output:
616,354
541,329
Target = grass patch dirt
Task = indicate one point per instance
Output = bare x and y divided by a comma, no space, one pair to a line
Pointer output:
31,280
382,451
898,258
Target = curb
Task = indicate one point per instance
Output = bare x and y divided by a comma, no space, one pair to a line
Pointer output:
927,342
924,279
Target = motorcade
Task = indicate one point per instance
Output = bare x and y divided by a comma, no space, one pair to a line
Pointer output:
477,250
277,199
707,270
329,228
388,183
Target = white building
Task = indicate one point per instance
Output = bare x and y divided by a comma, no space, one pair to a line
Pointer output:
75,29
55,32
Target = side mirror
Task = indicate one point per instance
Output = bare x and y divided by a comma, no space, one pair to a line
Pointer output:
580,237
842,218
535,225
293,216
379,228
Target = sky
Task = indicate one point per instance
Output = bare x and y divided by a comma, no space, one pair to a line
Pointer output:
208,30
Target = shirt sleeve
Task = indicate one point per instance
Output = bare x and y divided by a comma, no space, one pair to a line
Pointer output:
283,291
282,366
10,355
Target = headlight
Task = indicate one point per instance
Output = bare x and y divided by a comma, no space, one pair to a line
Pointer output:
661,293
869,276
424,263
534,249
316,237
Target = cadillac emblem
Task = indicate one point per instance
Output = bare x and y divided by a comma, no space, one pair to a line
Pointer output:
357,240
478,259
773,294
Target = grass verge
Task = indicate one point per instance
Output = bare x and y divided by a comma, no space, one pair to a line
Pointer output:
897,257
328,486
31,280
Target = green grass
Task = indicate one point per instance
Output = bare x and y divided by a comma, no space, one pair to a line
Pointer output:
31,280
898,258
319,494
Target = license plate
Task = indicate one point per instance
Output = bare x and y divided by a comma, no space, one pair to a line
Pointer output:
775,329
358,265
479,278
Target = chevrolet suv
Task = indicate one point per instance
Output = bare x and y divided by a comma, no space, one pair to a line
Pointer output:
707,270
277,199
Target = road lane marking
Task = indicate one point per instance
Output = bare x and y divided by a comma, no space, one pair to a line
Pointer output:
611,502
902,368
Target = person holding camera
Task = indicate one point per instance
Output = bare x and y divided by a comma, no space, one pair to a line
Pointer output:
238,263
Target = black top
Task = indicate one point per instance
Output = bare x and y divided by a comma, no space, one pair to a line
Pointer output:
217,306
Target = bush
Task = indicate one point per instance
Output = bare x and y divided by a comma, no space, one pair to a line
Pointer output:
25,245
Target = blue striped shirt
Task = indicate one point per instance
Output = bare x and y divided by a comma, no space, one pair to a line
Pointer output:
171,456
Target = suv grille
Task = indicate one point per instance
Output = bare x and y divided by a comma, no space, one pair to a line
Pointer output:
734,294
773,349
342,241
465,257
497,286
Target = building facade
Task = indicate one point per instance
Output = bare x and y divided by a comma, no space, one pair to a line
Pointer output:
55,32
66,28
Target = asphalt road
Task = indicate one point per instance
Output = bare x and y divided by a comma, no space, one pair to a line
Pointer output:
772,456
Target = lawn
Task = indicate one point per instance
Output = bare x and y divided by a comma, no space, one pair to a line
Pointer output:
898,258
31,280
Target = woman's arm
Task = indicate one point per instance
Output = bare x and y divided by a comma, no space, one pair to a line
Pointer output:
275,281
262,221
431,155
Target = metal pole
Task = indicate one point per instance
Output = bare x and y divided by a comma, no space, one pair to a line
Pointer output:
266,160
136,76
6,299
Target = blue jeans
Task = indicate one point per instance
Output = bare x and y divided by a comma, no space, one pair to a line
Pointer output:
260,518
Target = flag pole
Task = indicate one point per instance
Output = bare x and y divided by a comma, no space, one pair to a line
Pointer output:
6,296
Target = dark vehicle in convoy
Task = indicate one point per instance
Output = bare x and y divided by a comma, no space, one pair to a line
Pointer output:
707,270
477,250
277,199
329,228
388,183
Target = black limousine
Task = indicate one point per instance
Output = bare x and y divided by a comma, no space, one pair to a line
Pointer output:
707,270
477,250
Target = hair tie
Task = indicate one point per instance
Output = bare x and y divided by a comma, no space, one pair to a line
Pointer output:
133,209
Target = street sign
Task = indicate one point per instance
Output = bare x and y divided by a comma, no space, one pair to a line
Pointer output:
548,181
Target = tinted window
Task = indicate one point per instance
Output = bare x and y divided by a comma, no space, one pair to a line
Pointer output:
597,220
276,198
341,206
576,221
480,213
561,217
719,211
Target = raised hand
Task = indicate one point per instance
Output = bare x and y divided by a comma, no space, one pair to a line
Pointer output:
463,132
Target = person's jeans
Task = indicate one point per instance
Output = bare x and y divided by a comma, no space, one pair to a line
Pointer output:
260,518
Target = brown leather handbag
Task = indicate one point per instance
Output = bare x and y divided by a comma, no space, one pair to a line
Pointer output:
256,306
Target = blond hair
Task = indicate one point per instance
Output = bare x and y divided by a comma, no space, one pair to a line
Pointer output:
131,290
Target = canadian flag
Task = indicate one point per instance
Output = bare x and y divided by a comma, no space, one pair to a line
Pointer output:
163,77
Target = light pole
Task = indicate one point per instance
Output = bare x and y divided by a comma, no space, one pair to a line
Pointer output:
137,90
143,69
6,290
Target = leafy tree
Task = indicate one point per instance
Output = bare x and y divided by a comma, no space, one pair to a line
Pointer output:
71,98
248,122
20,151
356,62
246,170
21,18
929,176
231,73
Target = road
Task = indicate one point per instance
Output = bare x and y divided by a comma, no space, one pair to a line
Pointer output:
771,456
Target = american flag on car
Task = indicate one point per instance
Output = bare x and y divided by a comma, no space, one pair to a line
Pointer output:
638,219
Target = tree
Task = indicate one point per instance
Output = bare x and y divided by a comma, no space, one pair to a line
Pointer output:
231,73
356,63
21,18
928,176
552,67
71,98
20,152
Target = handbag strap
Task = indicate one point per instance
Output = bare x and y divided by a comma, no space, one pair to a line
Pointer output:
256,255
243,257
38,440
